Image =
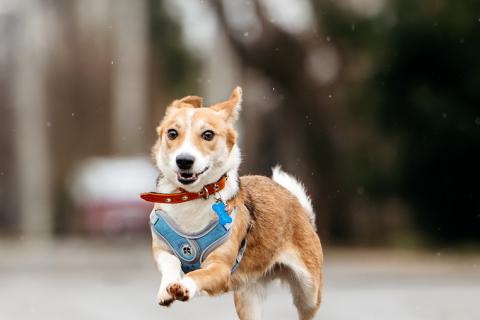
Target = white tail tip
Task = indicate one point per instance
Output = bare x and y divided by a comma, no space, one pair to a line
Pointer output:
296,187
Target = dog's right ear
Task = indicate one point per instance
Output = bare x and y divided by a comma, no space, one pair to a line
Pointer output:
185,102
188,101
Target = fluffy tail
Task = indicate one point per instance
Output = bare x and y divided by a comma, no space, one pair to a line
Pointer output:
296,187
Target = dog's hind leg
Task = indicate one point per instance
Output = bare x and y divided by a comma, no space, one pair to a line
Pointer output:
305,297
303,275
248,301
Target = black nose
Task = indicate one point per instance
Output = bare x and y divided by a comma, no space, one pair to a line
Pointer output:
185,161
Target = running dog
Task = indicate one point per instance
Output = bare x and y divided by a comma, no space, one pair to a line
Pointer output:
214,231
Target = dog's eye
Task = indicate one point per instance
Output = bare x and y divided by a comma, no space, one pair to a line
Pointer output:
208,135
172,134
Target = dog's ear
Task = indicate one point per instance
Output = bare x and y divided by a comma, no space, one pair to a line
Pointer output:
230,108
195,101
186,102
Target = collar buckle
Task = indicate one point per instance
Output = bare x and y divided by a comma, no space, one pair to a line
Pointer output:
204,193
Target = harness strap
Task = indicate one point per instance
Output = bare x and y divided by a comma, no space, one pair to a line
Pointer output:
241,251
193,249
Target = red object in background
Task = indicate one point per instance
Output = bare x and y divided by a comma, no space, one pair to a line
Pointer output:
105,194
116,217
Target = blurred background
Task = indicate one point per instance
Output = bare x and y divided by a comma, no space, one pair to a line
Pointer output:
373,104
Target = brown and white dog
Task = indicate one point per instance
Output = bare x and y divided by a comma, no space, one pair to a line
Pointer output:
196,147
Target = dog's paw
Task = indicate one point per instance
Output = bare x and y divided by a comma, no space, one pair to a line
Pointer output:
178,291
183,290
164,298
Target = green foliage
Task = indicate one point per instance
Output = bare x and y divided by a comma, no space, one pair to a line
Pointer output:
433,98
425,92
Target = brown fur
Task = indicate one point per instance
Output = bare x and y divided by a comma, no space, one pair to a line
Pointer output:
279,222
280,225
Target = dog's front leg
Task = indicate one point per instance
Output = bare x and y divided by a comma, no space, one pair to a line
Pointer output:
170,269
213,277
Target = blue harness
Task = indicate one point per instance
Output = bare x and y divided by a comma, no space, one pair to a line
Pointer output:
193,249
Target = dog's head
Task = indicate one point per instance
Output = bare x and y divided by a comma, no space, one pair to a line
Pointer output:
197,145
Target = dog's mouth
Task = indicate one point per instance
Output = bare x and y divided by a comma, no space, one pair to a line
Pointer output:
189,177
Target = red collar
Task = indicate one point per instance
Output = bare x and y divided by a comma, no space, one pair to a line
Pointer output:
184,196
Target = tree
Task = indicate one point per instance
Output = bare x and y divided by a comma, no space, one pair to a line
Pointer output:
408,124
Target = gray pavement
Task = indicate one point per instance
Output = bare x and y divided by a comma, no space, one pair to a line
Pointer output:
117,280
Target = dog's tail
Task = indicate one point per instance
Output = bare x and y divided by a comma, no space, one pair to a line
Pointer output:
296,187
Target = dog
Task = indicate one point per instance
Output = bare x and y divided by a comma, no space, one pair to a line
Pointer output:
261,229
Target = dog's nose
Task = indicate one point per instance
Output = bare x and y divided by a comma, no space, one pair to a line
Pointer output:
185,161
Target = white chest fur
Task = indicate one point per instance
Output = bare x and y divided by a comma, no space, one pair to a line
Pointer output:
194,216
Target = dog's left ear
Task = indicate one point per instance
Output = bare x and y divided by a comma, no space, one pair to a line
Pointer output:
230,108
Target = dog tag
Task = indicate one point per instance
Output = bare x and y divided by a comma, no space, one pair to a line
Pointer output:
219,208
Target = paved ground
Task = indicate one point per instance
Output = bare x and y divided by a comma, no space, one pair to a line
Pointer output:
92,280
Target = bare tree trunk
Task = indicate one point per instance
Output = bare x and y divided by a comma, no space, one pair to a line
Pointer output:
129,75
302,112
29,101
9,213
